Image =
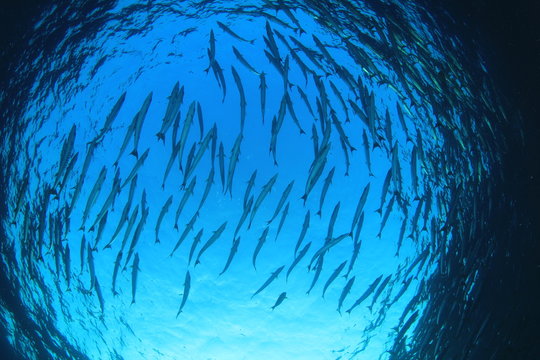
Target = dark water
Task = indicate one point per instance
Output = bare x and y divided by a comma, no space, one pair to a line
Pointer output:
361,210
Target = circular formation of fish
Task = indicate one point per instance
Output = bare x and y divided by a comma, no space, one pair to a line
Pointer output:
381,95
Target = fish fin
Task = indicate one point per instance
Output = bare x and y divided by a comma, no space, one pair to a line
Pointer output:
134,153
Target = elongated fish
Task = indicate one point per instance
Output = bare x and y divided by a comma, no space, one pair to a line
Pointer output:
249,187
173,106
199,154
221,157
211,241
234,250
185,131
187,193
379,291
243,217
332,277
259,246
360,206
136,167
282,200
235,154
367,151
326,185
209,182
110,118
115,271
99,294
94,193
136,235
115,189
318,270
228,30
242,97
196,242
187,286
327,246
303,232
162,213
65,154
386,185
185,233
357,242
244,62
264,192
366,293
297,259
141,115
272,277
346,290
263,88
282,220
134,271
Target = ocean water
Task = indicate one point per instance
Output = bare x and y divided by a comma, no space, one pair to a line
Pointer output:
263,180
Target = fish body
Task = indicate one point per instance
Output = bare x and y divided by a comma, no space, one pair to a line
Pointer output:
187,287
366,293
233,161
282,200
244,62
134,271
228,30
263,87
162,213
234,250
211,241
259,246
272,277
279,300
303,232
136,167
346,290
299,257
334,275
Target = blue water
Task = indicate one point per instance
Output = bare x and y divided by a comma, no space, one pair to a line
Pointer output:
148,48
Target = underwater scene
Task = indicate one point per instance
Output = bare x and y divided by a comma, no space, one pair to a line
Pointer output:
253,180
